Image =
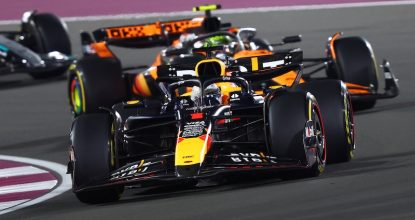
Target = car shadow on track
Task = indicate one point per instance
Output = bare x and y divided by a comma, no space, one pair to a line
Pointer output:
183,190
388,107
22,82
371,164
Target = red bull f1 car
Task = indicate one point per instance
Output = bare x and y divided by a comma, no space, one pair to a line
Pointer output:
182,137
205,108
41,48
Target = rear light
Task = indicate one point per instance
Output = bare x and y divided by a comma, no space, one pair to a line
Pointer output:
197,116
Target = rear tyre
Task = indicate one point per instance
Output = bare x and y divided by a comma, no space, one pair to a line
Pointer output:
94,83
355,63
290,117
49,34
336,109
94,160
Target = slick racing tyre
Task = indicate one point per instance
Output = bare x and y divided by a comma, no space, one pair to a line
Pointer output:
94,158
292,117
355,63
94,83
334,101
49,34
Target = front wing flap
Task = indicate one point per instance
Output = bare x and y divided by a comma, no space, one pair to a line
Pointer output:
360,93
160,169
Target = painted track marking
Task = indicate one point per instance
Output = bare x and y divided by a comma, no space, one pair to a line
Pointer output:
20,171
33,185
28,187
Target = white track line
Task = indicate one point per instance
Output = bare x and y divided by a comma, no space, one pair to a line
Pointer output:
27,187
20,171
4,205
229,11
58,168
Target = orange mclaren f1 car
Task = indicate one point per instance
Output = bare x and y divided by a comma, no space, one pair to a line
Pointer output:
350,59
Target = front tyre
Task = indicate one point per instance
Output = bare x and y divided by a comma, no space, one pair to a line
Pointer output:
48,34
355,63
296,131
316,142
336,109
93,158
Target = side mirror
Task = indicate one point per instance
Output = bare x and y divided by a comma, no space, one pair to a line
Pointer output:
291,39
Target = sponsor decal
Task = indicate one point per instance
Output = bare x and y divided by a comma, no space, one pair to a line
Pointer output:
251,158
273,64
235,96
133,170
193,129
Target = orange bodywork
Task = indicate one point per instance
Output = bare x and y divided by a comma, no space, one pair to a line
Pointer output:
334,38
157,61
102,50
358,89
140,86
287,79
251,53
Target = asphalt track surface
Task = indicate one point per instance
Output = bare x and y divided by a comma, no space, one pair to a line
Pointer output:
378,184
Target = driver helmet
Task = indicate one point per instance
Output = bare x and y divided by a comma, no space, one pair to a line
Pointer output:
217,40
229,45
213,95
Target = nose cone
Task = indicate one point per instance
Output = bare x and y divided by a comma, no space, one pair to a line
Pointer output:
188,170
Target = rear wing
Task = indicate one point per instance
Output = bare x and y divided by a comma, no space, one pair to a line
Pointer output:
258,63
148,35
256,68
160,33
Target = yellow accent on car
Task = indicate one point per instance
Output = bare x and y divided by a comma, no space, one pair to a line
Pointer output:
81,83
133,102
346,119
275,87
310,110
214,60
206,7
254,61
189,151
112,145
186,94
